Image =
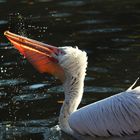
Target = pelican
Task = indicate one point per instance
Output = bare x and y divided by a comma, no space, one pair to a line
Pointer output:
117,115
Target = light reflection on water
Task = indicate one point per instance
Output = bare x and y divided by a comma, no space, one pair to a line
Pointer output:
107,30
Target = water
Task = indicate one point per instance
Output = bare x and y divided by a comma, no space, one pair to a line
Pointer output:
108,31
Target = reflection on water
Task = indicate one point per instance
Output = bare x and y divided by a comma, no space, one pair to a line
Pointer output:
107,30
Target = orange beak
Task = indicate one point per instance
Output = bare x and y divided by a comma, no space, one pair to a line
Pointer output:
42,56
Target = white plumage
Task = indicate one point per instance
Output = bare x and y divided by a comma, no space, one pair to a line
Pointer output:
117,115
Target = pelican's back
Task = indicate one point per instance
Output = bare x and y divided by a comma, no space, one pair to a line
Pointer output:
117,115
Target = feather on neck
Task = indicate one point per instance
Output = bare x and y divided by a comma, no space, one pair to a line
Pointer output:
74,63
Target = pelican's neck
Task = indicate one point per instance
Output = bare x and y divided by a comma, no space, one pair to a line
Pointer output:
73,89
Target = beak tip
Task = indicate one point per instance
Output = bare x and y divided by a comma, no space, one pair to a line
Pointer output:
5,33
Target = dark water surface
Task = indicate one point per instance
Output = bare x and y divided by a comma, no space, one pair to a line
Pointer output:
108,30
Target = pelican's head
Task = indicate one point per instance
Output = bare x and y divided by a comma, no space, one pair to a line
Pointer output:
62,62
73,61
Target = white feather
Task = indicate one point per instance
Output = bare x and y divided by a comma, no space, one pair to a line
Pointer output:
130,88
117,115
74,63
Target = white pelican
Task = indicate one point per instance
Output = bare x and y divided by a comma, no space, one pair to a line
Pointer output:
117,115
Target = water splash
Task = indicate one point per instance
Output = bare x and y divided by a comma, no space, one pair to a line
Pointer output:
17,24
24,26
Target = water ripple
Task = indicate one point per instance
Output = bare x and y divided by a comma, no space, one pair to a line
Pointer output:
9,63
92,21
2,1
2,44
11,82
30,97
5,47
3,21
123,40
89,89
3,105
57,89
59,15
98,69
103,30
89,12
89,78
37,86
18,129
44,123
72,3
15,132
103,89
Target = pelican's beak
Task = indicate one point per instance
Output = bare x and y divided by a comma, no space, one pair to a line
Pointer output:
42,56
